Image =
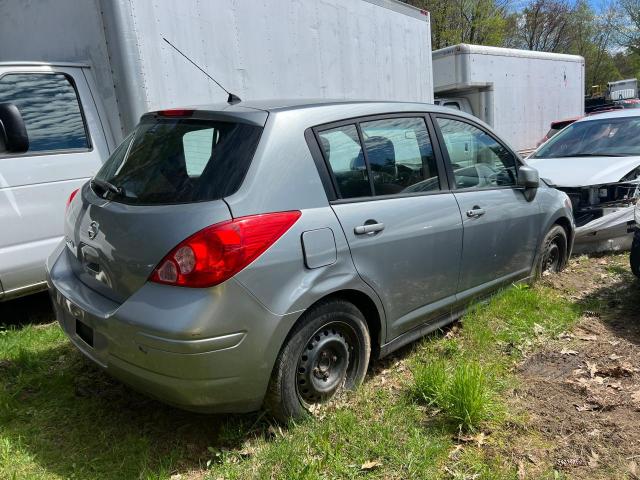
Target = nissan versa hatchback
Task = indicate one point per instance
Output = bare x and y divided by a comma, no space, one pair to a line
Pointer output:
231,257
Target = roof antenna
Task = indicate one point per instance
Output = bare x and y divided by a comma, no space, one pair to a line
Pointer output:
231,100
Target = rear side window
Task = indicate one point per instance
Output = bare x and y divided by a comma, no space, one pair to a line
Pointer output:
50,108
400,154
181,161
397,157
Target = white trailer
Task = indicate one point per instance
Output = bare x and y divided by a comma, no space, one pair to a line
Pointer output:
622,89
519,93
82,72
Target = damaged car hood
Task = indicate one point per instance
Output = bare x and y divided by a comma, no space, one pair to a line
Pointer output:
584,171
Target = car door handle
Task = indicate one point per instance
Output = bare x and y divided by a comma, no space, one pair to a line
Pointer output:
475,212
368,228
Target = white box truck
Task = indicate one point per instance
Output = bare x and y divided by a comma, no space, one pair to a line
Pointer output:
82,72
518,92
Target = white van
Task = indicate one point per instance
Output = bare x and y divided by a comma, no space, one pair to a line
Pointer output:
74,114
65,145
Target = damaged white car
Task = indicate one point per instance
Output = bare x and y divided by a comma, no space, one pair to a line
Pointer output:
596,161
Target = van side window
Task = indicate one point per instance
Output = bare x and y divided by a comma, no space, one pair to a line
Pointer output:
478,161
341,148
452,105
50,108
401,156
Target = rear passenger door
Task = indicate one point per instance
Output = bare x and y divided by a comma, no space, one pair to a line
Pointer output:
501,226
402,224
59,115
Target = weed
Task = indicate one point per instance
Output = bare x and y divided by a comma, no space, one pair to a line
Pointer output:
430,382
468,395
461,392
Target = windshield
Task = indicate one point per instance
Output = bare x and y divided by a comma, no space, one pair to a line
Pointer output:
178,161
614,137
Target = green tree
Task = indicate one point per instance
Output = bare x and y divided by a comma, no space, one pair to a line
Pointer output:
630,28
466,21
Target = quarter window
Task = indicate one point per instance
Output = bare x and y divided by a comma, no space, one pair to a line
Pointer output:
50,108
400,154
478,161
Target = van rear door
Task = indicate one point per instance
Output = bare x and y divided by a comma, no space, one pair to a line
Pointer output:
67,145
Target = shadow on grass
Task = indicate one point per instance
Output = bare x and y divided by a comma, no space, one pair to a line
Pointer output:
73,420
32,309
618,306
66,417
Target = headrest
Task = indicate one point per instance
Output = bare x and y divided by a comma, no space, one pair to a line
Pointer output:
381,154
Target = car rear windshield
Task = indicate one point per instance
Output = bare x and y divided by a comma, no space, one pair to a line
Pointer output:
615,137
167,161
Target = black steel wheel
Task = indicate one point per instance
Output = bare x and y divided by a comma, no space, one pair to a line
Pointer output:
326,364
327,351
553,255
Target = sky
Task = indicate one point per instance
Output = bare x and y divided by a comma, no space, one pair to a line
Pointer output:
597,5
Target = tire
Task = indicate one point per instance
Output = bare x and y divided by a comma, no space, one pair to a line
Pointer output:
553,251
634,256
326,352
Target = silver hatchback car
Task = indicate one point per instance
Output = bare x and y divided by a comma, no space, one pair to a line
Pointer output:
237,256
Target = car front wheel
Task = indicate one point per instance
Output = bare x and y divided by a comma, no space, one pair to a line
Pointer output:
553,254
327,351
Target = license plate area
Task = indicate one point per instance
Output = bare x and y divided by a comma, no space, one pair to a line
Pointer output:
85,332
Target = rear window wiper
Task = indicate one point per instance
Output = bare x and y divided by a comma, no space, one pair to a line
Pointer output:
106,186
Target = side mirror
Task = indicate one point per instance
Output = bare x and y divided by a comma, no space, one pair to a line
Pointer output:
13,133
528,177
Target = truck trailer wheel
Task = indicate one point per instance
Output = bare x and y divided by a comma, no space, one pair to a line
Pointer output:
327,351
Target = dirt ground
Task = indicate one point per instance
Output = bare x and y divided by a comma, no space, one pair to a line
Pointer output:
582,390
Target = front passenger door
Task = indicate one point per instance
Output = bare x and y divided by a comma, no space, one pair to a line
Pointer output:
501,227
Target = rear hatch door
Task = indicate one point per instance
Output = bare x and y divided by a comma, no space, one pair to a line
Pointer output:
165,182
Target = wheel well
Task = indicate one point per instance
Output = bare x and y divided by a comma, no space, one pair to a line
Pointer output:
368,308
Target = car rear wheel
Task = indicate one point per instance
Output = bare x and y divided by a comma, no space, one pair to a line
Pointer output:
328,351
553,255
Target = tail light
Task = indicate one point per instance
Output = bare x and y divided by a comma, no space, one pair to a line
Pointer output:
216,253
71,197
175,112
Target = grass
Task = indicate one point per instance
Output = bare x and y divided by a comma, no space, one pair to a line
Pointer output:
62,418
463,376
460,392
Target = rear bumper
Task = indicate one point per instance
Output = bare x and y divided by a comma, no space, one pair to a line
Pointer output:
207,350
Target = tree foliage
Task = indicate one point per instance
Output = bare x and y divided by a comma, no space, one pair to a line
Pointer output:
466,21
630,31
543,25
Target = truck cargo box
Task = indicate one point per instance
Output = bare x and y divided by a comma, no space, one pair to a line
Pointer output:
517,92
357,49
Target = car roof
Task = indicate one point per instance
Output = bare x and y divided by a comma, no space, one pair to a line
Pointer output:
622,113
281,105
